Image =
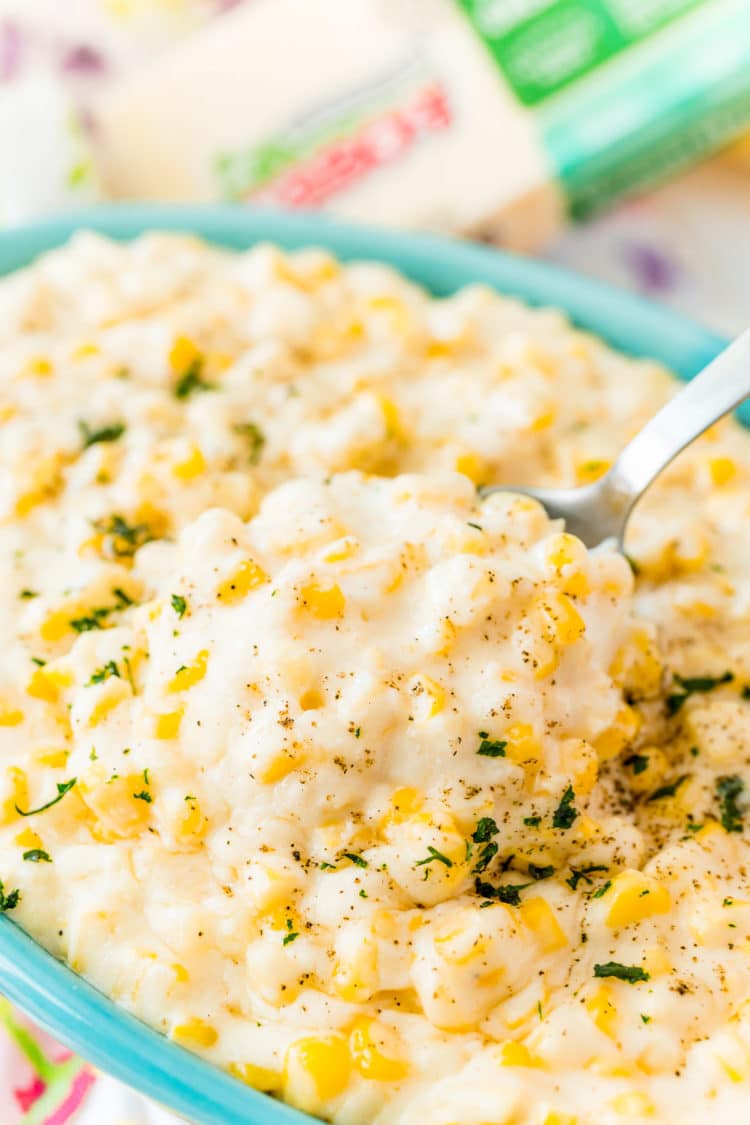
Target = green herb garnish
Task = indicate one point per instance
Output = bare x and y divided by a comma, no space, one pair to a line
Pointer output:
629,973
434,854
667,790
144,795
491,747
91,436
62,788
728,790
359,860
510,893
192,380
565,814
179,605
690,685
9,901
638,763
125,538
104,673
584,873
254,437
36,855
537,872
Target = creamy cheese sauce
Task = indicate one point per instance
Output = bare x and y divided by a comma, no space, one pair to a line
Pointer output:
398,804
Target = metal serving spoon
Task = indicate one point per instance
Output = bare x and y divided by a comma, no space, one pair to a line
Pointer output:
601,510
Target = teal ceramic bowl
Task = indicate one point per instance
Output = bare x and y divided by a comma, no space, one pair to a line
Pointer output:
61,1002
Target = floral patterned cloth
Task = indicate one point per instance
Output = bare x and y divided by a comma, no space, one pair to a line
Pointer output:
679,244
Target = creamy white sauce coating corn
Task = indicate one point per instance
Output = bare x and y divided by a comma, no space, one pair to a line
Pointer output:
399,805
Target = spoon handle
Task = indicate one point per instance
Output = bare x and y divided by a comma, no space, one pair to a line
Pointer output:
719,388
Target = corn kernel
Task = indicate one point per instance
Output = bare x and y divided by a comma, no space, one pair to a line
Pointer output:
342,549
248,576
167,725
733,1055
613,741
393,426
195,1033
83,351
119,813
375,1051
472,466
603,1011
38,367
323,604
316,1070
355,978
430,695
635,896
10,716
722,470
191,467
589,471
522,746
541,920
183,354
182,976
634,1103
280,766
404,803
192,824
190,675
513,1053
259,1077
556,1118
28,838
113,695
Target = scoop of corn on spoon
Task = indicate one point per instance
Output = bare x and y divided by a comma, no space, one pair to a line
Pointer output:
600,511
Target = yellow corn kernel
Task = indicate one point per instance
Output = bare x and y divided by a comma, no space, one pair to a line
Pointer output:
405,803
10,716
259,1077
391,416
323,604
613,741
57,624
190,675
473,466
112,696
356,978
28,838
603,1011
733,1056
183,354
316,1070
280,766
539,916
589,471
83,351
635,896
8,410
119,813
248,576
398,312
37,366
375,1050
634,1103
430,695
195,1033
191,467
563,623
522,746
182,976
192,824
342,549
19,795
722,470
556,1118
167,725
46,682
513,1053
656,962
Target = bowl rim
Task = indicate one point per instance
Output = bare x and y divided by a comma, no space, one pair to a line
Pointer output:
60,1001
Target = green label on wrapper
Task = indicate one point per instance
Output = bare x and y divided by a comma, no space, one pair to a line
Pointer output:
624,92
543,45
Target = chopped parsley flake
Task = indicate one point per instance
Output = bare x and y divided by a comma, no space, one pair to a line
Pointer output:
359,860
667,790
537,872
104,673
491,747
63,787
91,436
584,873
638,763
532,821
565,814
600,892
486,828
434,854
27,595
9,901
254,437
290,937
124,538
690,685
646,1019
192,380
629,973
728,790
36,855
144,795
510,893
179,605
476,526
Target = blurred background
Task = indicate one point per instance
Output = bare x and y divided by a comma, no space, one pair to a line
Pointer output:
612,136
604,134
